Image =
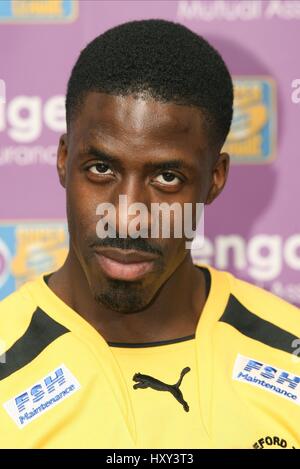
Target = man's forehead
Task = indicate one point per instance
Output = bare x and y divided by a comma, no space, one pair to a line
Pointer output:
138,115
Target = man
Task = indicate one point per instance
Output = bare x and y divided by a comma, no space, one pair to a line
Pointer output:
129,344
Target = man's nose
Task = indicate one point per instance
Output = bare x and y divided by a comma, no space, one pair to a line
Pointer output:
133,209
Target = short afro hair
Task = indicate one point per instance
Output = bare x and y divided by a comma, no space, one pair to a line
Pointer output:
161,59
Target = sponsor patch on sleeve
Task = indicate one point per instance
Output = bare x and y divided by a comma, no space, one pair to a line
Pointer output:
30,404
267,377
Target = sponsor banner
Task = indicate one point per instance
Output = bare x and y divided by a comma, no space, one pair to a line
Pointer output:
257,211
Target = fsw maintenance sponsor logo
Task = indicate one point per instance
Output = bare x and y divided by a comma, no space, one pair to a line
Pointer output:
277,381
44,395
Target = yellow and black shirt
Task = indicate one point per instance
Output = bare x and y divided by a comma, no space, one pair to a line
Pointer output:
235,384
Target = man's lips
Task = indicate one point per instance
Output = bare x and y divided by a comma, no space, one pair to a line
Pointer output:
125,264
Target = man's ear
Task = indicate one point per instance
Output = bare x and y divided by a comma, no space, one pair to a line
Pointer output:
219,177
62,154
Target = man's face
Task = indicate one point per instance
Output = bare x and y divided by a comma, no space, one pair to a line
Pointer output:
152,152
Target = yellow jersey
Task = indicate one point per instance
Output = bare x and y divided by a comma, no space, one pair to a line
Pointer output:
234,384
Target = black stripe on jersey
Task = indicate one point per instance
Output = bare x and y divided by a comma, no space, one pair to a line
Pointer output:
238,316
41,331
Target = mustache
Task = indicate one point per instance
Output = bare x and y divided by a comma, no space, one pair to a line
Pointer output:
137,244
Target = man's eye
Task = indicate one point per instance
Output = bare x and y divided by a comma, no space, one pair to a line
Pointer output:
100,168
168,178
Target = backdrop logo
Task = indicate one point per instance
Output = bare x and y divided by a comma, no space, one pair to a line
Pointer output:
29,249
4,263
22,121
252,135
38,10
261,259
2,92
238,10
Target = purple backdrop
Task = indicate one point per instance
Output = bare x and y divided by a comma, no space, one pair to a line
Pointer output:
261,199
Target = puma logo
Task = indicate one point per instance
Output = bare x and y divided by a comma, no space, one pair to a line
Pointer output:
146,381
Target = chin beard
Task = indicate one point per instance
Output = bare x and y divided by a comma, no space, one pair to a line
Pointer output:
122,297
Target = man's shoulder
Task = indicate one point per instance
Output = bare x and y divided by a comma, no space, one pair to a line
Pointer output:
262,301
258,313
21,299
16,312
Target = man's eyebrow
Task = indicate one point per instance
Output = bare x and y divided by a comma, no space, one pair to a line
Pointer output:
175,163
98,154
169,164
